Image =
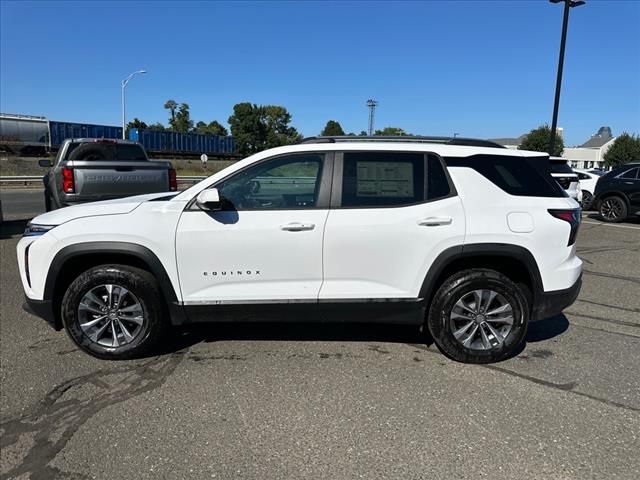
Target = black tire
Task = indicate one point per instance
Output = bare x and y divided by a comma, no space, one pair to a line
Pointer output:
141,284
613,209
49,204
458,286
92,151
587,200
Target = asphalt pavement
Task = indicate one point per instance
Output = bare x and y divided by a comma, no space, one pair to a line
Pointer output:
332,401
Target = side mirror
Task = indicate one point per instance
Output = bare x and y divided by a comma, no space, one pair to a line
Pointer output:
44,162
209,200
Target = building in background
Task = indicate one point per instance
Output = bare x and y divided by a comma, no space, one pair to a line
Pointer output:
591,153
588,155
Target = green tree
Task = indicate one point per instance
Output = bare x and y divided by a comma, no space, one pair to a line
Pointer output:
363,133
171,105
391,131
135,123
537,140
182,122
332,129
216,128
157,126
625,149
213,128
258,127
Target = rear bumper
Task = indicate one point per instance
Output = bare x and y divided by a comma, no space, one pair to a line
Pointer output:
549,304
42,309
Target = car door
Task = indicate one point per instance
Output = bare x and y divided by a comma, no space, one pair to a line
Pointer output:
629,183
265,245
392,214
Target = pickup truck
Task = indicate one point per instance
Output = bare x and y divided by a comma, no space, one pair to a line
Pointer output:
92,169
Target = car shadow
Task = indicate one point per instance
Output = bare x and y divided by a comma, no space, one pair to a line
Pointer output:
187,336
634,220
547,329
11,228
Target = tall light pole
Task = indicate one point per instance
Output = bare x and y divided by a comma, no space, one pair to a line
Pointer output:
124,85
568,4
372,104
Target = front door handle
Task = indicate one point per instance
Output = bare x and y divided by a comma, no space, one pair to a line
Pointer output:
435,221
297,227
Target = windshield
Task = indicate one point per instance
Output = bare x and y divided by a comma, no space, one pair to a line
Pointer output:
560,167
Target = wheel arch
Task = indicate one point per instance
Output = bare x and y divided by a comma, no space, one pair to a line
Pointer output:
514,261
612,193
72,260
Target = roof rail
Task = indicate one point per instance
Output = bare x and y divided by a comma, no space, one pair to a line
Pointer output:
460,141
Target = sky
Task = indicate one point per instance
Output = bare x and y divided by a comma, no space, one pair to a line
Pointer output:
477,68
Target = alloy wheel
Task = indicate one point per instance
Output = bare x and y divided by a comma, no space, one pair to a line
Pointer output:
481,319
110,315
611,209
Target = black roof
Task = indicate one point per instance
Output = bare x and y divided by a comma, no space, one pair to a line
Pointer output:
459,141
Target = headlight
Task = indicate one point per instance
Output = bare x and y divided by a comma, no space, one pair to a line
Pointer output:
34,230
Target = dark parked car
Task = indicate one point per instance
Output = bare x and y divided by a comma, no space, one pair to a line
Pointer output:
617,194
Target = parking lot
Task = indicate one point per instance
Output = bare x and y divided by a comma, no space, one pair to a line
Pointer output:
331,401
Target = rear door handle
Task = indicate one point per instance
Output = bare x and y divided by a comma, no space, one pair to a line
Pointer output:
297,227
435,221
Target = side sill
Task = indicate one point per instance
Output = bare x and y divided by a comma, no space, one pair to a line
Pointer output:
393,311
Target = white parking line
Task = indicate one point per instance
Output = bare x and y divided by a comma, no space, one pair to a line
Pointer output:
612,225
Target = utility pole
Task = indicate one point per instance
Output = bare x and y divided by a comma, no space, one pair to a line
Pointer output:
372,104
568,4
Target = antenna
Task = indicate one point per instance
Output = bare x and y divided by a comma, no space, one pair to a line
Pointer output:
372,104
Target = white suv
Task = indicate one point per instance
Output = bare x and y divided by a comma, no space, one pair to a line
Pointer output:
463,236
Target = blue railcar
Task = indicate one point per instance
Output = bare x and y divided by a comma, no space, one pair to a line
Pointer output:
60,131
158,141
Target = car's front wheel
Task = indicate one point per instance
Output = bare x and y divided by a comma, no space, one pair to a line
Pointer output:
114,312
479,316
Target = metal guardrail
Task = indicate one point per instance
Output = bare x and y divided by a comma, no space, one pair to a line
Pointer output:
25,179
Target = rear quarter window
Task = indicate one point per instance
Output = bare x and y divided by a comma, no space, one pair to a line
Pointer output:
520,176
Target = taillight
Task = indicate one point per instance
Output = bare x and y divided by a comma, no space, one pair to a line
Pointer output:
572,217
173,180
68,183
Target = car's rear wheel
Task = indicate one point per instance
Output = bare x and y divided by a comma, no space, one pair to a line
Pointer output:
587,200
114,312
613,209
479,316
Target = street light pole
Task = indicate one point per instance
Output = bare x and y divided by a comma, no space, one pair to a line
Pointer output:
568,4
123,84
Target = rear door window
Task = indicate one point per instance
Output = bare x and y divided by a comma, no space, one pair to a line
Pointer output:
383,179
630,174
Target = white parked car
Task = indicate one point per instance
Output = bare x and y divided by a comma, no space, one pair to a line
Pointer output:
463,236
588,182
562,172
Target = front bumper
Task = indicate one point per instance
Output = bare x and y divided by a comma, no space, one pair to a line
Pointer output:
42,309
550,304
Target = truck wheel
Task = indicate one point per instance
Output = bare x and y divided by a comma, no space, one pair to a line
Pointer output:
114,312
478,316
92,151
613,209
